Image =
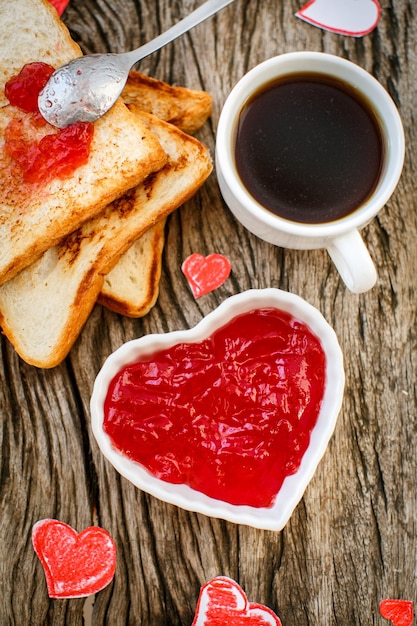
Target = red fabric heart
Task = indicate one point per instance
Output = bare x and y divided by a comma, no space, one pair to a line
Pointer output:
400,612
60,5
222,601
344,17
75,565
204,274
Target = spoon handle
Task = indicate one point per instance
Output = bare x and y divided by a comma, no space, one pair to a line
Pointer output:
203,12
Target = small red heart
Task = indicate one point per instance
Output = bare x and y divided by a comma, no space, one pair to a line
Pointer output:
204,274
400,612
344,17
75,565
223,601
60,5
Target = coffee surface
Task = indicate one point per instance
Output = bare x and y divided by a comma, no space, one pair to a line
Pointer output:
308,148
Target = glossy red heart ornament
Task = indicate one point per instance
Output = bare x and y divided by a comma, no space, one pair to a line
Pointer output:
60,5
223,601
344,17
400,612
75,565
204,274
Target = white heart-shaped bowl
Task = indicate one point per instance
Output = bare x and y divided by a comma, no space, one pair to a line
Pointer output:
291,492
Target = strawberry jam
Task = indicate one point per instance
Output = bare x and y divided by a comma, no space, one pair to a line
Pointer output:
230,416
22,90
39,154
56,155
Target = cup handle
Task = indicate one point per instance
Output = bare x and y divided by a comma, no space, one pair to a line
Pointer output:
353,262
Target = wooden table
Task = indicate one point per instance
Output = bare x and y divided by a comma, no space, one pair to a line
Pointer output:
351,542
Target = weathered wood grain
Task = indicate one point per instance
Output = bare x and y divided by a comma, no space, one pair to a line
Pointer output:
352,540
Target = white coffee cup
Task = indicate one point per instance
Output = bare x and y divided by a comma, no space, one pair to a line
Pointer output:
340,237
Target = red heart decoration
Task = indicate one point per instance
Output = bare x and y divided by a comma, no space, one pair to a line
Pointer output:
344,17
75,565
204,274
223,601
60,5
400,612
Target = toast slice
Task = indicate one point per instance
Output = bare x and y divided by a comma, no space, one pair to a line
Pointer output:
187,109
43,309
131,288
36,216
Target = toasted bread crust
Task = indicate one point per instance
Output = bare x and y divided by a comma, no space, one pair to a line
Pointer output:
187,109
131,288
21,311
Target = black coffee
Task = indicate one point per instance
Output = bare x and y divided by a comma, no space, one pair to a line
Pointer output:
309,148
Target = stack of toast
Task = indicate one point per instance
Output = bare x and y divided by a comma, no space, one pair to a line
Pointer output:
98,234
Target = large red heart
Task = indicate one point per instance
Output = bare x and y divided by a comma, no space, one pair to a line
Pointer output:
345,17
223,601
75,565
399,612
204,274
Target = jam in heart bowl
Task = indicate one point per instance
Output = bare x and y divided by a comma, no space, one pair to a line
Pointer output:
229,418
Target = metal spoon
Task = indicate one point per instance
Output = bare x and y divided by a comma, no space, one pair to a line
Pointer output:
85,88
